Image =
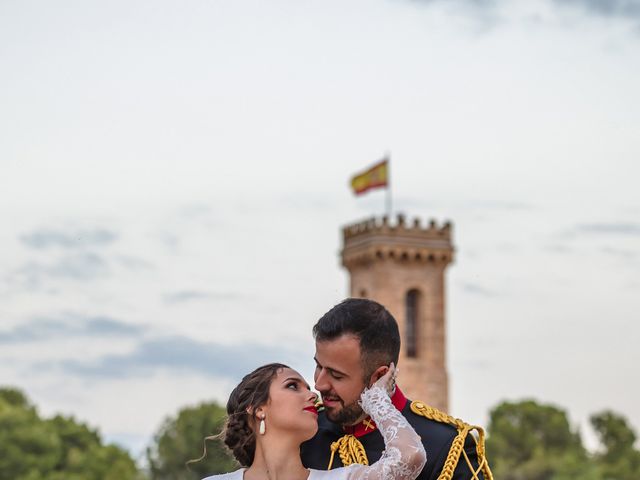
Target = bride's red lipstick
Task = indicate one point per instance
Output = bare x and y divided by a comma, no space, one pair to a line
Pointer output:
311,409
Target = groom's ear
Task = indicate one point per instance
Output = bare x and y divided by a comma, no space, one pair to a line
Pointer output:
378,372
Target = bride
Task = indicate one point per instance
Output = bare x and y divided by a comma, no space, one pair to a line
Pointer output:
272,411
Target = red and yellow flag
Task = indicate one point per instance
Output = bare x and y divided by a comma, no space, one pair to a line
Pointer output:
375,177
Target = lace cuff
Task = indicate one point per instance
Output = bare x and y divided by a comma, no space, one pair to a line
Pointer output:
404,455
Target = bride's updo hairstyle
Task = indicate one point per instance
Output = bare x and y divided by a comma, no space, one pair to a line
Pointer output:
252,392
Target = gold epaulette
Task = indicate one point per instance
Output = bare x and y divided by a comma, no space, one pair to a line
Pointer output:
350,450
457,446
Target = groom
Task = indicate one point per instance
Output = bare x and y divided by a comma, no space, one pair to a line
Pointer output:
355,342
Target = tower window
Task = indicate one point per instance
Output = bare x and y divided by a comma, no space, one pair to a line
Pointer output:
411,326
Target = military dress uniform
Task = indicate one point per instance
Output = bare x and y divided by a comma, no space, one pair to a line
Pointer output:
453,452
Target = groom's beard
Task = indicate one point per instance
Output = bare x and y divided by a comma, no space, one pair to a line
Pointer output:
348,415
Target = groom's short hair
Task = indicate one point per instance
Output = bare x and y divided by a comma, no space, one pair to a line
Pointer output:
371,323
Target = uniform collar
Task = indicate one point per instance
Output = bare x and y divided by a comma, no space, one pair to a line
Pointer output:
368,425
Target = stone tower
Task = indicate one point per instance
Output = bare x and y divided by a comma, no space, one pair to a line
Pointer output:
403,267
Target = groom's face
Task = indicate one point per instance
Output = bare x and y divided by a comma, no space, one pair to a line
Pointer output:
339,378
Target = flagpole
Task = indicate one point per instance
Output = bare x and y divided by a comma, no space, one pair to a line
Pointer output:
388,200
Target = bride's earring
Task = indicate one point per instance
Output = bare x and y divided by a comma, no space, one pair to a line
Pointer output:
262,428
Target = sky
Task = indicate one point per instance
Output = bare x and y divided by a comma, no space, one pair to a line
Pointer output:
175,178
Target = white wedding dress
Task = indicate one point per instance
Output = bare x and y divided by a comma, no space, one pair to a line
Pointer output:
404,455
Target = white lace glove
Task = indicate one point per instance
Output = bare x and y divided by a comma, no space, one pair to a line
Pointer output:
404,456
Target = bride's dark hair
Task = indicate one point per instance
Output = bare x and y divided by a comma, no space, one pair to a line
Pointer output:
252,392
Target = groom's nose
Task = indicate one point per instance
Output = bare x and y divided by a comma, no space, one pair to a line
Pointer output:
321,380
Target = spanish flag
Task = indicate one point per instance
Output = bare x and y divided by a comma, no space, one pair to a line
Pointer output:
375,177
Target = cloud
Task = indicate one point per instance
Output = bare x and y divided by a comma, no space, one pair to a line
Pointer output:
620,9
620,228
472,3
47,238
78,266
134,263
195,295
476,289
474,364
502,205
559,248
195,211
407,202
70,255
620,253
169,240
306,201
70,325
600,229
183,355
607,8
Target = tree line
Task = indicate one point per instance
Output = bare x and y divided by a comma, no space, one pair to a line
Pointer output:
527,440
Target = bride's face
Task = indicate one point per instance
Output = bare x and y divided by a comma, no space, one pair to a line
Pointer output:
291,406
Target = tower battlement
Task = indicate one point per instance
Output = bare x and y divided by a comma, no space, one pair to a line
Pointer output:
384,225
378,238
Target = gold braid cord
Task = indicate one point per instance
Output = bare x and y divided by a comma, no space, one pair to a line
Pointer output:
457,446
350,450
